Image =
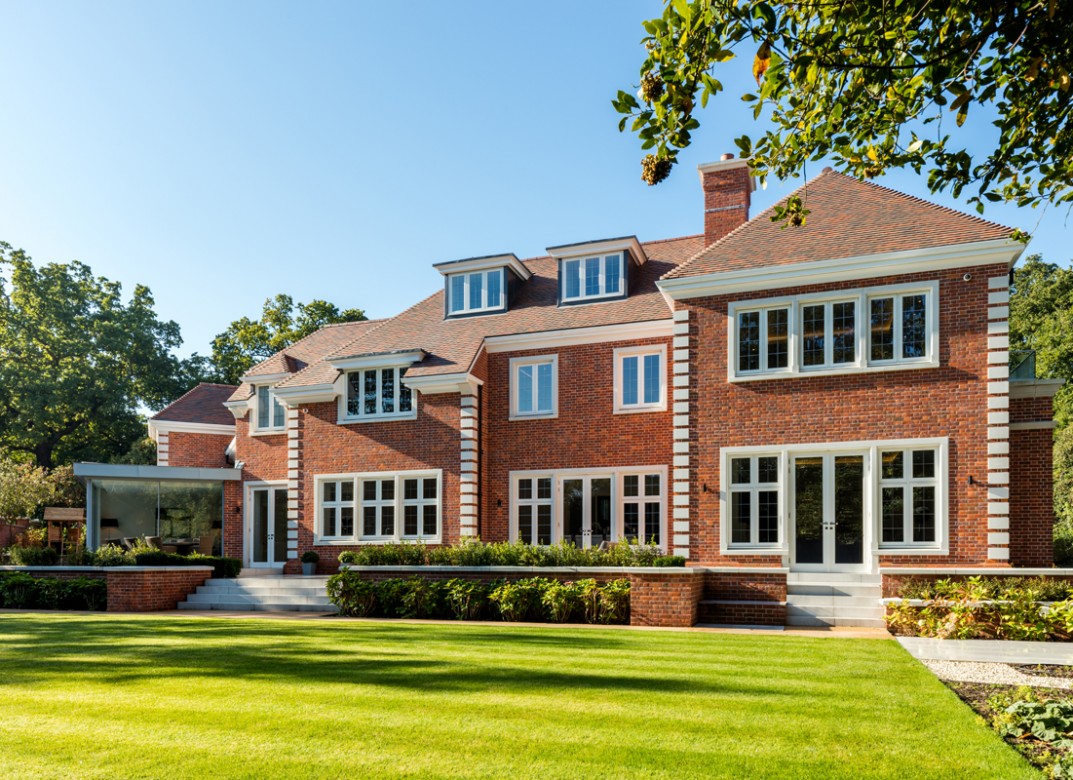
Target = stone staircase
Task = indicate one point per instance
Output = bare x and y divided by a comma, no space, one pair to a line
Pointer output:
263,593
834,599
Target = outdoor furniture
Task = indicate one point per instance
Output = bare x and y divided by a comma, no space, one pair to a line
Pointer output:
63,523
185,546
153,541
127,542
206,544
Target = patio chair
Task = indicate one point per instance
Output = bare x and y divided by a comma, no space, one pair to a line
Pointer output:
153,541
127,542
206,543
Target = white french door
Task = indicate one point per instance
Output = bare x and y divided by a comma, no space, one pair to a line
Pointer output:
266,526
828,511
587,509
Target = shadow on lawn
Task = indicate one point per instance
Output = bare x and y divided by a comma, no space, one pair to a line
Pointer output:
433,658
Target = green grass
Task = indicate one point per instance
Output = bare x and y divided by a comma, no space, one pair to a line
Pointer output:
123,697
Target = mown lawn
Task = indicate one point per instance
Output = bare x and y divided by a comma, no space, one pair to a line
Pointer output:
124,697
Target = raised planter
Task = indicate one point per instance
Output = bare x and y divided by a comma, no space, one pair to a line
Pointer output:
132,588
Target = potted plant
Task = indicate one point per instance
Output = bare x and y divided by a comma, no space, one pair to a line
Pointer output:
310,559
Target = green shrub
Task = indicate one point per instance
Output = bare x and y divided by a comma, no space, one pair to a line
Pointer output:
112,555
521,600
467,599
477,553
33,556
222,567
423,598
562,601
615,602
987,589
389,598
354,596
17,591
23,591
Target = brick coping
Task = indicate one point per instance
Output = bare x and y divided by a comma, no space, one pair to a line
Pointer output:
683,570
1005,571
104,568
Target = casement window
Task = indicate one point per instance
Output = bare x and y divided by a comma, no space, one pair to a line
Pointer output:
534,510
908,497
640,379
271,415
591,278
642,508
755,486
337,509
534,387
378,393
478,291
379,507
880,328
590,507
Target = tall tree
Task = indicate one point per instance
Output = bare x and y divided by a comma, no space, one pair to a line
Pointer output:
76,361
247,342
870,84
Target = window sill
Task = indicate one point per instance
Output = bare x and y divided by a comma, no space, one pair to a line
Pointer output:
641,409
753,550
268,432
913,551
375,418
547,416
805,373
320,542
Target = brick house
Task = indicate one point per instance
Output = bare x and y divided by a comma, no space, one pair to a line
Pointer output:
832,399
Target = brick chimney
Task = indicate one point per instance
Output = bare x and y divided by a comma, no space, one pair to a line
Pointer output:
728,190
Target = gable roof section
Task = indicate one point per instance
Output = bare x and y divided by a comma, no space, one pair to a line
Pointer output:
202,404
452,344
305,351
848,218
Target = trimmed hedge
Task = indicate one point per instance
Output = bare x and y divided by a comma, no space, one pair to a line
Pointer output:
477,553
535,599
221,567
19,590
33,556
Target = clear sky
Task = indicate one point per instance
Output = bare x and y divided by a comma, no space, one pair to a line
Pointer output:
225,152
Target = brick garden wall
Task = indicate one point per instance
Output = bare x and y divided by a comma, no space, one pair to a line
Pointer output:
153,590
947,401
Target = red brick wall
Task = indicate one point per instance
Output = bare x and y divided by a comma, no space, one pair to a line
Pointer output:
947,401
264,459
1031,497
586,434
201,450
432,441
726,201
149,590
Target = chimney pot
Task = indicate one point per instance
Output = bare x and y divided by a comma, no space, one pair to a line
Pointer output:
727,156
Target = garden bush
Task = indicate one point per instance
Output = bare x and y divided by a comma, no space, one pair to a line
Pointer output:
1036,609
19,590
33,556
477,553
535,599
221,567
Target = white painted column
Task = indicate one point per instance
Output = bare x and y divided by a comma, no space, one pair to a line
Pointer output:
468,480
998,418
294,469
680,400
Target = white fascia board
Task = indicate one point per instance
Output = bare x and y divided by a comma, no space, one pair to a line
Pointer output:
460,382
628,243
264,379
595,335
510,261
843,269
381,360
1035,388
306,394
238,408
157,427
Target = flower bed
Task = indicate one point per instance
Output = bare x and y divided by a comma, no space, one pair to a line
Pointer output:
1037,609
533,599
476,553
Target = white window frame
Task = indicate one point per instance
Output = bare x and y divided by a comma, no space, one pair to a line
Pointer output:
617,499
255,427
906,482
398,502
641,499
344,409
754,487
486,305
535,501
862,323
517,363
871,450
337,505
640,352
603,293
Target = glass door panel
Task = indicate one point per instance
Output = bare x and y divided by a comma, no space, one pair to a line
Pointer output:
808,510
259,548
599,510
268,526
573,491
849,509
279,531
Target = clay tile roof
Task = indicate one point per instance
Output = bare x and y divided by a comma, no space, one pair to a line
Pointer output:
452,344
203,404
847,218
305,351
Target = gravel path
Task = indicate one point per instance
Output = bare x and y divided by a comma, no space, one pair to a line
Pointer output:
998,674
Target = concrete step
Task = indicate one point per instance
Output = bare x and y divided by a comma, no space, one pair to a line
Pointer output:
240,598
834,589
262,594
226,606
811,621
832,577
834,602
825,612
267,590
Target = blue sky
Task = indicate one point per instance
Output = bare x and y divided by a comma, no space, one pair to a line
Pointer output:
224,152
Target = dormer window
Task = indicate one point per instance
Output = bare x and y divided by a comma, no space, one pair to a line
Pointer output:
270,414
478,291
592,277
597,270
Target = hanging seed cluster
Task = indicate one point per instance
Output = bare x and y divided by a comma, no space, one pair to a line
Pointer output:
651,87
655,169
